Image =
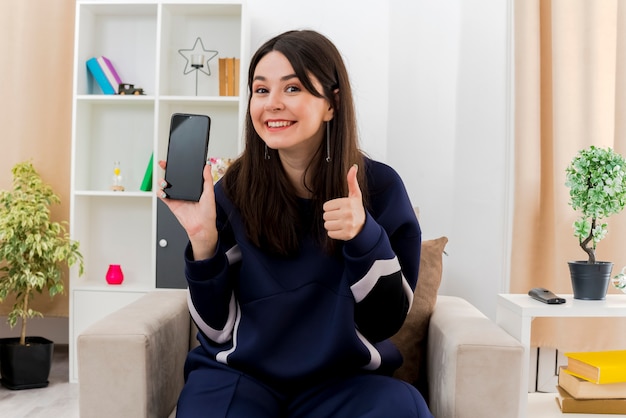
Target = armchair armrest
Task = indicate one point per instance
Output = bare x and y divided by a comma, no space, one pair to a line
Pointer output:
130,363
474,367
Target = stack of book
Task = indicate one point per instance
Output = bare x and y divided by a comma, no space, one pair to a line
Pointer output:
593,382
229,76
104,74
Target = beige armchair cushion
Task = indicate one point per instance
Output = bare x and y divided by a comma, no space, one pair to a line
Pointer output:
411,339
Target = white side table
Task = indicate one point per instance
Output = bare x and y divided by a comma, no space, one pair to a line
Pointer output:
515,313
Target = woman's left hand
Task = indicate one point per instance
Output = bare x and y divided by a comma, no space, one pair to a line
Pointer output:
344,217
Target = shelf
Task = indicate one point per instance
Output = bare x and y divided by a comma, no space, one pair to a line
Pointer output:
118,8
115,98
124,33
205,100
219,26
142,39
102,286
146,99
525,306
115,195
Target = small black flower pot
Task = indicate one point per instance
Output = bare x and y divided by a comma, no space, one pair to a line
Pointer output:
590,281
25,366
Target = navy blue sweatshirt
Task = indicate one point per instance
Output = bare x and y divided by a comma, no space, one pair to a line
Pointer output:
302,319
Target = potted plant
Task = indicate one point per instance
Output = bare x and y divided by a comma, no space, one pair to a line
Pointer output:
597,181
33,254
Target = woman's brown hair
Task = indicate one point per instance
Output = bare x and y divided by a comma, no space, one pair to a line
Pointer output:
258,186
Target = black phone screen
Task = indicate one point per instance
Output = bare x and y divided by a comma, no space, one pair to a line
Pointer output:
186,155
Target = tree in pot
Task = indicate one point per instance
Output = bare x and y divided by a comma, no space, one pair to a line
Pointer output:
33,253
597,181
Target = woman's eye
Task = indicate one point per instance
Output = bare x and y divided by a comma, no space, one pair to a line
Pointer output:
260,90
292,89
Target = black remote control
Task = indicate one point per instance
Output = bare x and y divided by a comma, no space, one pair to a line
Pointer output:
545,296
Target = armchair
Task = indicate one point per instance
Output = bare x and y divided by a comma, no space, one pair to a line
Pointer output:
130,364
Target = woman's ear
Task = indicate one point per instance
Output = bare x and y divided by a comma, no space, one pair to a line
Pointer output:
332,108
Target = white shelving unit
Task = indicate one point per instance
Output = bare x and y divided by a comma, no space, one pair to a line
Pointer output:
142,39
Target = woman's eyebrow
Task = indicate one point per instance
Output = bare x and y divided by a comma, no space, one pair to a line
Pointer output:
283,78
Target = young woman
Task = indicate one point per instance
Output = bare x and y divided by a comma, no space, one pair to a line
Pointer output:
303,259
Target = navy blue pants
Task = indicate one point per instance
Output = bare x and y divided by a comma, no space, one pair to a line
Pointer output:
215,390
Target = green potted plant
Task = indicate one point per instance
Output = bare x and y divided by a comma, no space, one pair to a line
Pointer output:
33,253
596,178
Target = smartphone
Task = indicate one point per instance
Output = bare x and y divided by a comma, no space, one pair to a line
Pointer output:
186,155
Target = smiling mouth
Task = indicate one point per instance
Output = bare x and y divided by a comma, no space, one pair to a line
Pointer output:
279,124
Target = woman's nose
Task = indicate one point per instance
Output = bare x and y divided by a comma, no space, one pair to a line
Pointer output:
273,103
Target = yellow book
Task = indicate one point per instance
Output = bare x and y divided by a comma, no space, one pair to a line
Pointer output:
589,406
598,366
584,389
236,81
230,76
222,76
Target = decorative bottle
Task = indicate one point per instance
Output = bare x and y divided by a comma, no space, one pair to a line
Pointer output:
115,274
117,178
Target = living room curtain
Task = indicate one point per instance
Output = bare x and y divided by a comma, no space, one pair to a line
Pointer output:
570,71
37,46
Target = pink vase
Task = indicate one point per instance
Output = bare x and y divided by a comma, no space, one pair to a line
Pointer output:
114,274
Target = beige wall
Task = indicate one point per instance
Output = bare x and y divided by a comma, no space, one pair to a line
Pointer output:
36,54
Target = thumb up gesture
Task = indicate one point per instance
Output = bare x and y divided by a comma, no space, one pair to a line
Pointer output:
344,217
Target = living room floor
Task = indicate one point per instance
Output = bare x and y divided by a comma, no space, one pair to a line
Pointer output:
60,398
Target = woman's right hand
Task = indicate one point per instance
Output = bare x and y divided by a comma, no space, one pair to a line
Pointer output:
197,218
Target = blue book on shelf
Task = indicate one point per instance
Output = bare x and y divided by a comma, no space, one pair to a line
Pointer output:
99,76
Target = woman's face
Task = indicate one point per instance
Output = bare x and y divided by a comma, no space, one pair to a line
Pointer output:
284,114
